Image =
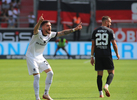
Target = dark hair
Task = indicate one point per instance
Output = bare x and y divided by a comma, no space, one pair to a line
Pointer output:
45,21
105,18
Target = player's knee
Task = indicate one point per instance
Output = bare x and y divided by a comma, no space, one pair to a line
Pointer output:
37,77
50,73
49,77
111,74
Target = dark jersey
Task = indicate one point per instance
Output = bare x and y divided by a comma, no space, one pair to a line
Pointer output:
102,37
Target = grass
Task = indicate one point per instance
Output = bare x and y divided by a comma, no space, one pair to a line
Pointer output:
73,80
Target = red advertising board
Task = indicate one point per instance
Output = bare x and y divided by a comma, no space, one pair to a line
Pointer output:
125,34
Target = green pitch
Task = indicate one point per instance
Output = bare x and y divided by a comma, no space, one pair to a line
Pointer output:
73,80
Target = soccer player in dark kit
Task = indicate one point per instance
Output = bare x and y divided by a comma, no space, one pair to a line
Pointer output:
101,39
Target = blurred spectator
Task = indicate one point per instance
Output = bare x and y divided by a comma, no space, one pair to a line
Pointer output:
76,21
4,21
4,12
15,3
11,22
31,19
4,18
3,15
5,6
8,1
17,9
9,12
13,13
18,4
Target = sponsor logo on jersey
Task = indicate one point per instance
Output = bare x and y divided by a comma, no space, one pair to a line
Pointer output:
41,43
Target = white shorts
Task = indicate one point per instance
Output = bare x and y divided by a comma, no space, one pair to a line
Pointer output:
35,66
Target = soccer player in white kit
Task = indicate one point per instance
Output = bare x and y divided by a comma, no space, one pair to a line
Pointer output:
35,61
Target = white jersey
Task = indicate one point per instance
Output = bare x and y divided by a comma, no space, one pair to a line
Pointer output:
37,45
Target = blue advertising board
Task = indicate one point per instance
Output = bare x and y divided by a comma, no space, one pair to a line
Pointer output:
127,50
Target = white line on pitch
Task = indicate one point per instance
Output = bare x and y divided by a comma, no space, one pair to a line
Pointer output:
87,61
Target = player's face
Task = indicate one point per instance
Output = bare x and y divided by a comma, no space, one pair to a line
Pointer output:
108,22
47,28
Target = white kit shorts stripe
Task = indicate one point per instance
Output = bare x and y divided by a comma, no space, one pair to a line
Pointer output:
35,66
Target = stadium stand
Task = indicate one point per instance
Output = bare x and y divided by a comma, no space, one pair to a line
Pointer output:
26,8
91,13
9,11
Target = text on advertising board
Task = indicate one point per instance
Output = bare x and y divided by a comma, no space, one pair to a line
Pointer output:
125,34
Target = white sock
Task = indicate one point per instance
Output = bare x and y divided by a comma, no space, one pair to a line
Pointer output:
106,85
100,93
36,85
48,82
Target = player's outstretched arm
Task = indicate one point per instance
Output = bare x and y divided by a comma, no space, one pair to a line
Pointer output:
115,48
36,28
68,31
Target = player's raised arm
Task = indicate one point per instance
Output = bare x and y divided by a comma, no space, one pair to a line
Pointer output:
68,31
115,48
36,28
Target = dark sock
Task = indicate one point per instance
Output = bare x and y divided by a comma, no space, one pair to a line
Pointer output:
110,78
99,82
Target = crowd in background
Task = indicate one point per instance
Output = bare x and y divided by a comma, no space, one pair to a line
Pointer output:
9,12
31,20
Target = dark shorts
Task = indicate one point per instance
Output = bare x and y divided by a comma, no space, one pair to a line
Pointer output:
103,63
61,48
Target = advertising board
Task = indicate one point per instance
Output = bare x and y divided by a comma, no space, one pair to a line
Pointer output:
127,50
125,34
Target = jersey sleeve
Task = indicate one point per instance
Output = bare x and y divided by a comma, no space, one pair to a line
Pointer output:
112,36
53,34
37,33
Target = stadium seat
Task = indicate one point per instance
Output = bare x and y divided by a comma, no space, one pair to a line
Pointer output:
4,25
